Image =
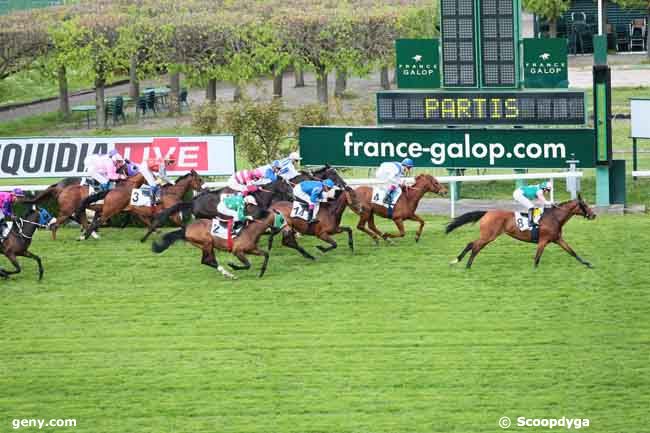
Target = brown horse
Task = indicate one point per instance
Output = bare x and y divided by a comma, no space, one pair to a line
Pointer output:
495,222
403,210
170,195
19,239
329,221
199,234
115,201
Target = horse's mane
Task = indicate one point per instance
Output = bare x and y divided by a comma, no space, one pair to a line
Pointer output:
566,202
183,177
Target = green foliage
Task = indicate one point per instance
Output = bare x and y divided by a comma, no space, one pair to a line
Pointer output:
259,129
309,115
205,118
634,4
549,9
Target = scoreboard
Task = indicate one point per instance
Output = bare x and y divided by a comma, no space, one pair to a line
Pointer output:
523,107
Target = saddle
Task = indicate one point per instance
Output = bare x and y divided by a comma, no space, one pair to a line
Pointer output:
300,209
521,221
380,193
142,196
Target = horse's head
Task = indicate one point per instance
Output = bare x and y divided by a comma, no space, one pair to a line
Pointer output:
330,173
430,184
281,189
583,209
196,182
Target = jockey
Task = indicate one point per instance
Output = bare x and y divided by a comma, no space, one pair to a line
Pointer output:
390,174
525,194
311,192
103,169
154,171
247,181
7,200
287,169
235,206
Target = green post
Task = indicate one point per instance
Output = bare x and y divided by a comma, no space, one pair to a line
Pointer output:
455,192
602,122
602,185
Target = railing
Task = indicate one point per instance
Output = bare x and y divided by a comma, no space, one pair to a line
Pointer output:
451,180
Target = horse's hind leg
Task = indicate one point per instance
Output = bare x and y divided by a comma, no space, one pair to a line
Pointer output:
477,246
540,250
400,226
242,258
462,254
348,230
209,259
38,261
257,252
12,258
365,219
289,240
327,238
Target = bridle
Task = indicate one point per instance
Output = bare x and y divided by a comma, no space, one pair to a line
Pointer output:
20,223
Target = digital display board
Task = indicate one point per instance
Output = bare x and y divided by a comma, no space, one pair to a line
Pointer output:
481,108
458,43
498,43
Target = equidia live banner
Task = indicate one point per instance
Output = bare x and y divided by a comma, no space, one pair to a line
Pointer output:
64,157
448,147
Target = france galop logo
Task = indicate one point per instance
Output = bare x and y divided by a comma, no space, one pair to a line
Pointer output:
545,56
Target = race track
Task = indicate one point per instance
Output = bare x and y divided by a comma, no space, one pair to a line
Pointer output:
385,339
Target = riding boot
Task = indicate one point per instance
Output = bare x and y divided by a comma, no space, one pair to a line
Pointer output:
530,216
312,217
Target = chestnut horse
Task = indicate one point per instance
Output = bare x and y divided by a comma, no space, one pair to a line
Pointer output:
115,201
495,222
20,238
199,234
329,221
403,210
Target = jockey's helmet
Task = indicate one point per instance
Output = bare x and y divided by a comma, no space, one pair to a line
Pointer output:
408,162
328,183
18,192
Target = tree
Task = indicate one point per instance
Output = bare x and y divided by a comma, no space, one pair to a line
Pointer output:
23,38
642,5
549,9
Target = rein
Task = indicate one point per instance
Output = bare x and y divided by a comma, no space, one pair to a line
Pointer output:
20,222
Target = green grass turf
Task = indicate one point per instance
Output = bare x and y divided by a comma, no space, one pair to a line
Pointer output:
387,339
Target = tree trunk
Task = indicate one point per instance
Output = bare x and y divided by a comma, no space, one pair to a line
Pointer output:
64,99
552,28
211,91
175,85
384,78
238,93
321,85
341,83
134,83
300,77
100,105
277,83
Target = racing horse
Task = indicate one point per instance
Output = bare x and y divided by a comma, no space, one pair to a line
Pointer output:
205,204
403,210
329,221
199,234
495,222
170,195
69,194
20,238
115,201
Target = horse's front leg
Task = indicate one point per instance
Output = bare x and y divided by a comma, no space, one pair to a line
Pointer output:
400,226
420,229
562,243
38,261
348,230
327,238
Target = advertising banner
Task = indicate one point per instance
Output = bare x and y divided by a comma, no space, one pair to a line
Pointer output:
61,157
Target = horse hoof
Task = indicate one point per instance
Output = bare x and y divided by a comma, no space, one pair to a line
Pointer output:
82,238
453,262
95,235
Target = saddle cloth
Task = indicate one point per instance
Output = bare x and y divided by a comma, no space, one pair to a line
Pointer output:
300,210
141,197
6,230
521,219
379,195
221,228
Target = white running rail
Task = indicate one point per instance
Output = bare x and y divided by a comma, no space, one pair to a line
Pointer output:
451,180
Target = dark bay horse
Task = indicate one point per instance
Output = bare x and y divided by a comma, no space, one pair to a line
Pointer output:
199,234
403,210
495,222
20,238
329,221
205,204
115,201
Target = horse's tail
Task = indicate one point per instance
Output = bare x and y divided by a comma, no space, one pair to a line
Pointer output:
90,200
167,240
46,194
166,213
469,217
